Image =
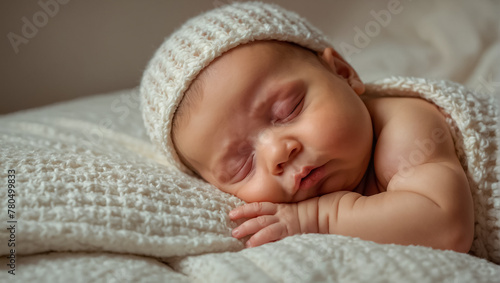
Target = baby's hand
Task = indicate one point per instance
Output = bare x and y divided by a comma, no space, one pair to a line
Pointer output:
268,222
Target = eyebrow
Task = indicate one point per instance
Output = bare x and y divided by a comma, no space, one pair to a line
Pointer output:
278,90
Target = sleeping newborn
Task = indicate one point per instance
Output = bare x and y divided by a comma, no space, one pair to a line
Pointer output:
254,100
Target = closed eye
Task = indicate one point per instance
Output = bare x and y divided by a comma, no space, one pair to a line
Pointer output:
289,111
244,170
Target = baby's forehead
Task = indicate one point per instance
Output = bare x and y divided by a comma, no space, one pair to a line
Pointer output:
273,48
261,50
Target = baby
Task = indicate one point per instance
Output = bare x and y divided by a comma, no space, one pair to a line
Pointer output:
254,100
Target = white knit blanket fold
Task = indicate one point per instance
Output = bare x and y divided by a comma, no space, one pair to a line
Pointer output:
92,193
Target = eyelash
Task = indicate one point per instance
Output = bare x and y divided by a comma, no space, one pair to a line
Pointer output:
296,110
245,169
291,113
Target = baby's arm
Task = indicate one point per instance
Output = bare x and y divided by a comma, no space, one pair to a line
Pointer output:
430,208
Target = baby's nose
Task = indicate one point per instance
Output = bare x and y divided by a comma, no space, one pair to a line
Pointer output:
278,150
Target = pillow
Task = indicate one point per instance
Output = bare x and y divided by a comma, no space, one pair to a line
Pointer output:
87,179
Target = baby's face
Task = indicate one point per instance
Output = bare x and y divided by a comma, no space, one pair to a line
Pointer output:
278,124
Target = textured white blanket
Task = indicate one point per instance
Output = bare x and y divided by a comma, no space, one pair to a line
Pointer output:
93,196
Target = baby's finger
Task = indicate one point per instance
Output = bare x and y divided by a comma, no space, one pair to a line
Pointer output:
268,234
252,210
254,225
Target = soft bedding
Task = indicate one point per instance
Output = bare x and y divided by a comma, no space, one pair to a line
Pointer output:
96,203
92,194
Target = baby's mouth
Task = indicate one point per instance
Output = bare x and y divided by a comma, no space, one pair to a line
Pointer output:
309,177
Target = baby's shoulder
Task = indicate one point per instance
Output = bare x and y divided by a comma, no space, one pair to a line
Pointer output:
408,132
403,112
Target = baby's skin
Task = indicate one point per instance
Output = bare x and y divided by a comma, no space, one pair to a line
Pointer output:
292,133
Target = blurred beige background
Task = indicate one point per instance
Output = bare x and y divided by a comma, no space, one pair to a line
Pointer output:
56,50
88,47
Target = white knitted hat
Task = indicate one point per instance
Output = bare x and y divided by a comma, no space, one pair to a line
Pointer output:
198,42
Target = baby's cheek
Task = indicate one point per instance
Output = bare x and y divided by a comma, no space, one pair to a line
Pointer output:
263,191
321,134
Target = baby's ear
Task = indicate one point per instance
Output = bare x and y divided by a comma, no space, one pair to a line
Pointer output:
341,68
